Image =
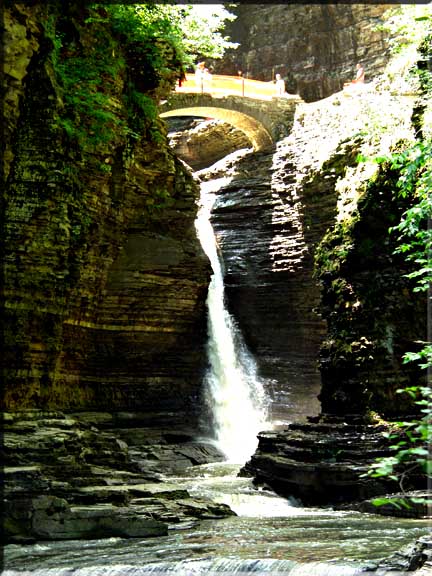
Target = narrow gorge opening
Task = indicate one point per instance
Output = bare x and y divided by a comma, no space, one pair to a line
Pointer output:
208,395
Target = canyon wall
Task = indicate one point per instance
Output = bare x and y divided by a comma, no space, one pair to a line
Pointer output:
310,273
104,280
315,47
268,267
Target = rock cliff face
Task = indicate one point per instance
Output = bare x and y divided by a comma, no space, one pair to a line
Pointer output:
372,313
380,318
325,461
105,281
200,143
269,221
315,47
268,278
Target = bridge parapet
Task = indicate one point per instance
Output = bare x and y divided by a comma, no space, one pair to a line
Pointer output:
221,85
263,121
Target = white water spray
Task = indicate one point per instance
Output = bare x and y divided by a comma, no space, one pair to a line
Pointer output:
235,393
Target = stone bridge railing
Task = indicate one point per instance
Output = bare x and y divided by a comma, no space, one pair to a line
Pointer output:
262,116
218,85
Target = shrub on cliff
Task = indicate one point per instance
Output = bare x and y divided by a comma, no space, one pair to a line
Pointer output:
144,47
415,243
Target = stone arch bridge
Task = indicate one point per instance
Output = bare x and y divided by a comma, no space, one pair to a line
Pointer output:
263,118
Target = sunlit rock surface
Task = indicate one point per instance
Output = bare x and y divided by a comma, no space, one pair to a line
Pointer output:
315,47
368,330
270,219
200,143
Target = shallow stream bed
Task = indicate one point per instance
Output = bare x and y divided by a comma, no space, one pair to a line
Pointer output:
269,535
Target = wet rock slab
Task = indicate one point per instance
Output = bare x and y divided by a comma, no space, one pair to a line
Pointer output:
65,478
416,557
58,521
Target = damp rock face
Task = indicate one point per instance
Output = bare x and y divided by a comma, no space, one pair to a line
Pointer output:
325,461
278,223
372,314
105,278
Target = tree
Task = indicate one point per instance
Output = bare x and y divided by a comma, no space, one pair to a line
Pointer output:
202,30
195,30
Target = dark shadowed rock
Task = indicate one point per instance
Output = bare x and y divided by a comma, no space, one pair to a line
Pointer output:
325,461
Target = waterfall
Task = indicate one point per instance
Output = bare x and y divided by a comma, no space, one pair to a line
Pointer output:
234,392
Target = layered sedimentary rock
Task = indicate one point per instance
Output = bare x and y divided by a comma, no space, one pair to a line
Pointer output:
269,221
372,313
315,47
325,461
66,478
268,283
104,279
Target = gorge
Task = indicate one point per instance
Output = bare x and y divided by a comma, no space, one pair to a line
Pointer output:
119,363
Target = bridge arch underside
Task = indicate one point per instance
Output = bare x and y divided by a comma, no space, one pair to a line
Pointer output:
253,129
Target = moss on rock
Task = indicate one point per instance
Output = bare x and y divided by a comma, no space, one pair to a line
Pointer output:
372,315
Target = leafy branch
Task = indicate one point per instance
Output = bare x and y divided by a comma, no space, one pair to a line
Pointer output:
415,242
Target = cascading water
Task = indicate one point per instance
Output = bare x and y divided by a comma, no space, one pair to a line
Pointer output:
270,535
235,393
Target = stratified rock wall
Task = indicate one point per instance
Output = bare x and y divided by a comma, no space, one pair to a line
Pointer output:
269,221
258,222
105,280
315,47
200,143
373,315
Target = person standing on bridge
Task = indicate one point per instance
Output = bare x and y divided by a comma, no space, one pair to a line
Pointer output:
360,76
199,76
280,85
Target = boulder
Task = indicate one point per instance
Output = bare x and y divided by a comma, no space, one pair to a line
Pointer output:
324,461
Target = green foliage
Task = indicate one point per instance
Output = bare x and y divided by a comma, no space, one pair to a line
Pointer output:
145,46
415,232
195,31
202,30
88,79
415,242
399,503
142,113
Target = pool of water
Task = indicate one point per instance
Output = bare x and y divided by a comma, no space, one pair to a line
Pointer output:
269,535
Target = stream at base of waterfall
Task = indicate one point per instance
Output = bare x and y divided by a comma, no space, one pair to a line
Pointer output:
269,535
